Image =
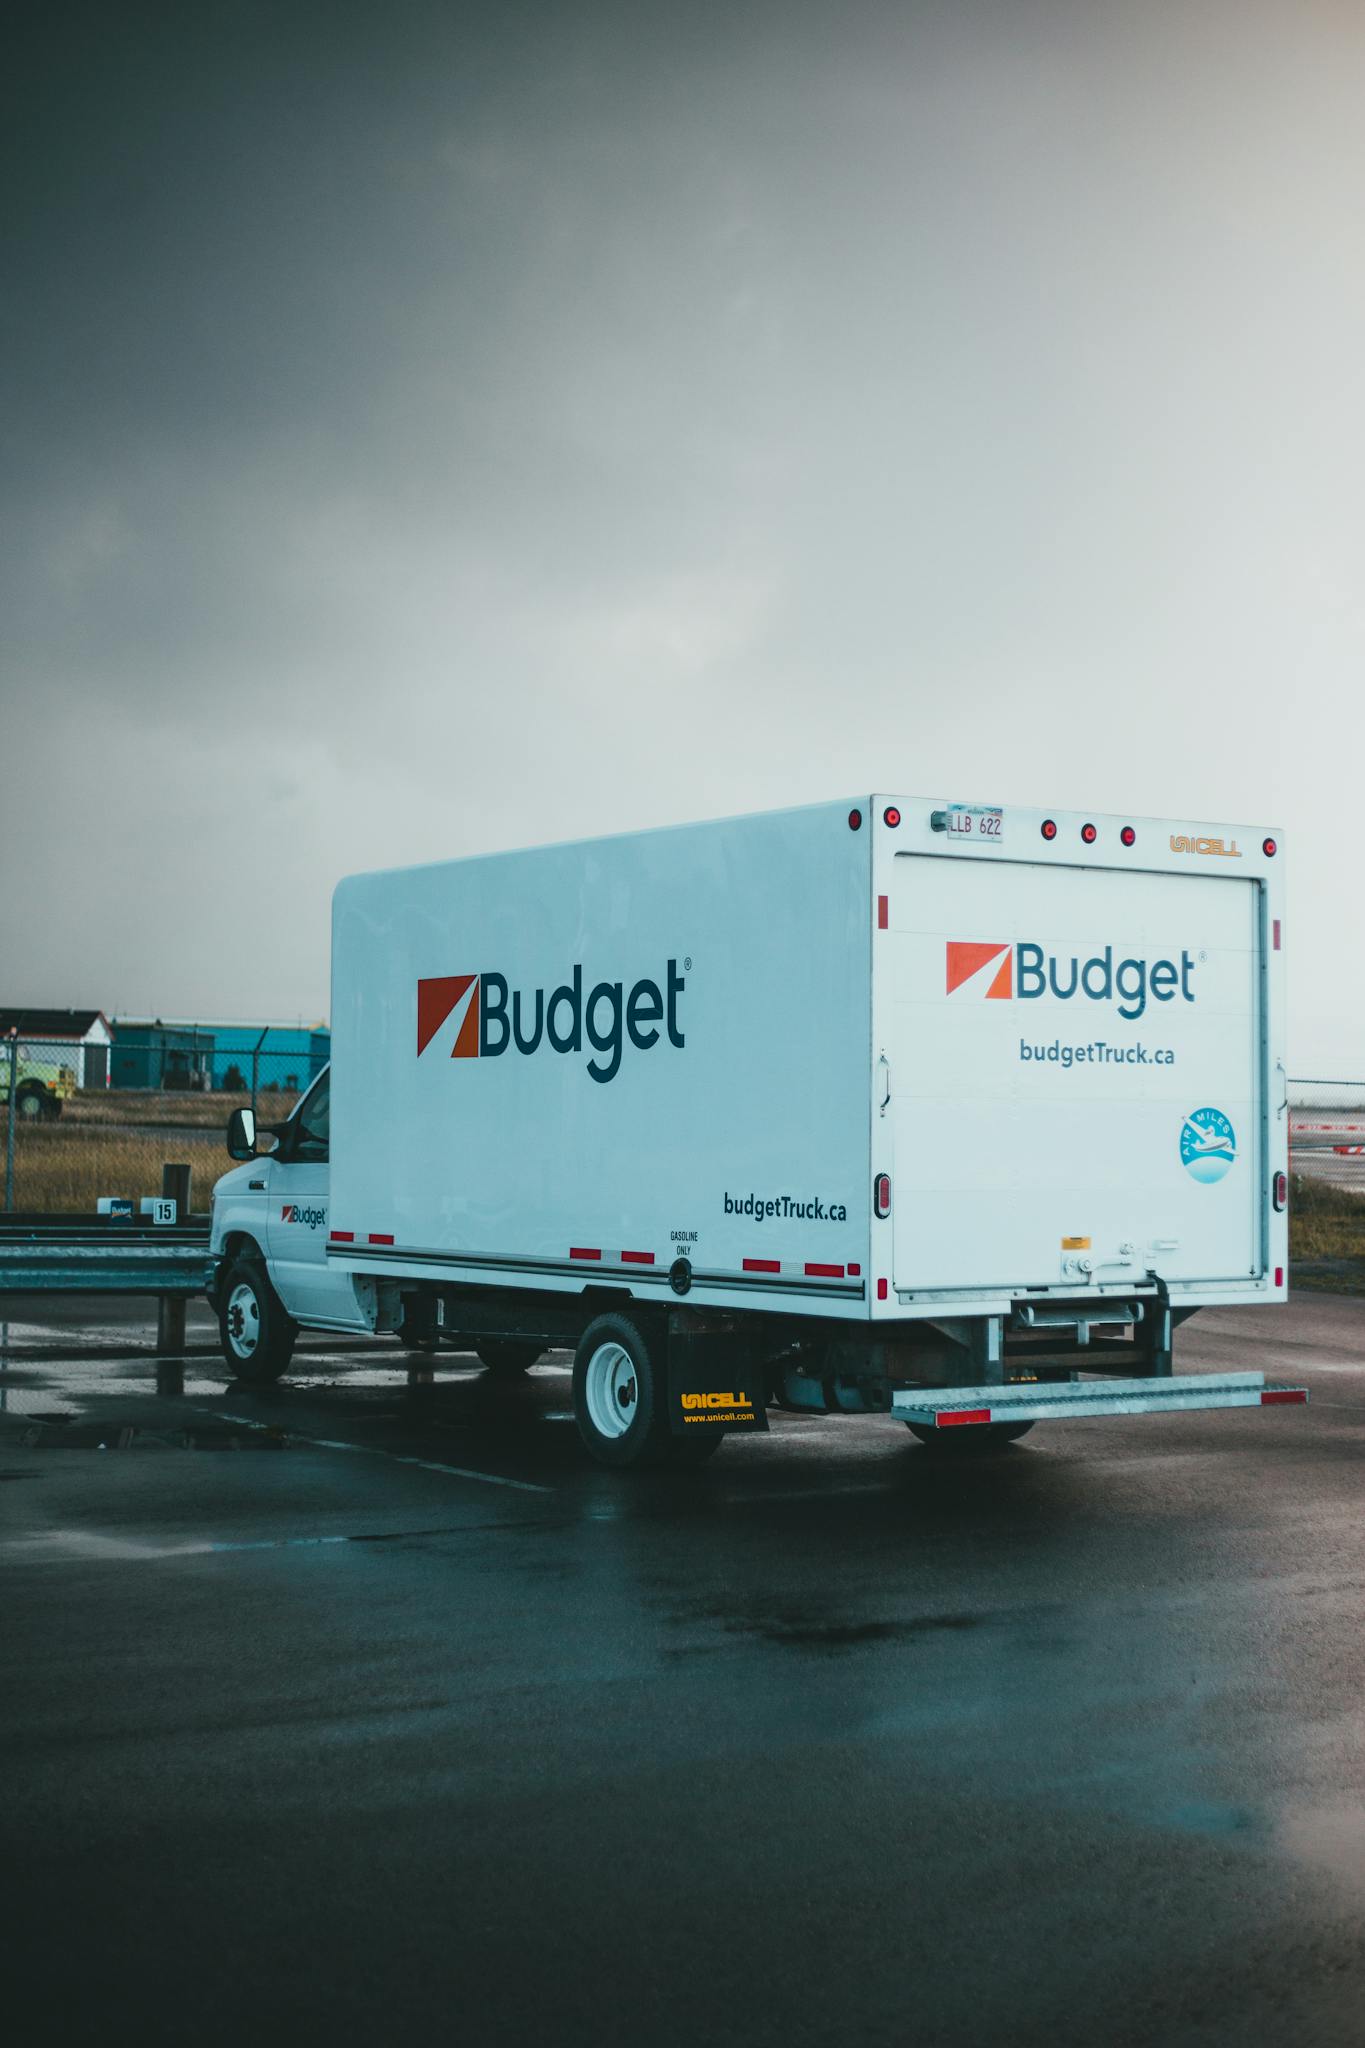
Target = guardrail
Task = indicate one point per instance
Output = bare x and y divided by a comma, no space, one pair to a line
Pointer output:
40,1256
166,1255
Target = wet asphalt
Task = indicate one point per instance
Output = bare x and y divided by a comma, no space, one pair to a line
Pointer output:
355,1710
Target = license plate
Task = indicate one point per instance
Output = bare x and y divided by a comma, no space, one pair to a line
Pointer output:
976,821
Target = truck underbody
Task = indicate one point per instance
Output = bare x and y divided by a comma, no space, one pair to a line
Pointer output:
981,1375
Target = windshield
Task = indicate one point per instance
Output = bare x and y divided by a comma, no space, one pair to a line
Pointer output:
314,1116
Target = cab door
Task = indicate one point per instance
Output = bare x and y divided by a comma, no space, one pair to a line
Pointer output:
296,1232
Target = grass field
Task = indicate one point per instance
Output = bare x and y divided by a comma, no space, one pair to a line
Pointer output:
1325,1223
62,1167
116,1142
106,1107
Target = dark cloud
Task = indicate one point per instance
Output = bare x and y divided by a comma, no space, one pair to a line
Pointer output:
427,429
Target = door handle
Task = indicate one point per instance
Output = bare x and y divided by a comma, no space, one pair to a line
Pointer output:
884,1066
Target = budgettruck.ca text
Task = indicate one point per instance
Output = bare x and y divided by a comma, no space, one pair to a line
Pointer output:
809,1208
1098,1053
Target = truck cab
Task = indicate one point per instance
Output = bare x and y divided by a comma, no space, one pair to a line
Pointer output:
268,1244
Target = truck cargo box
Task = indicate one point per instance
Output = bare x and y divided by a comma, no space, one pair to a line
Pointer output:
877,1060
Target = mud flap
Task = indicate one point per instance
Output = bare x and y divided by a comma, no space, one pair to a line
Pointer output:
714,1381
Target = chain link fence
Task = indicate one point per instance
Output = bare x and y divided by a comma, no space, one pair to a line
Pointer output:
67,1144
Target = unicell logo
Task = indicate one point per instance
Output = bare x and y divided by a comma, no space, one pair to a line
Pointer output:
1005,971
498,1019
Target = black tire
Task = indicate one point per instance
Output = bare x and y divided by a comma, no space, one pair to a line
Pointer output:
969,1436
417,1329
701,1443
632,1387
257,1332
31,1101
504,1355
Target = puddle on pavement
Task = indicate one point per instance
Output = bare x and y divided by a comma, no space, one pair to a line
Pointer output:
37,1398
60,1434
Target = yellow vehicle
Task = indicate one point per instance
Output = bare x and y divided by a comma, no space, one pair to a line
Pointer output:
40,1086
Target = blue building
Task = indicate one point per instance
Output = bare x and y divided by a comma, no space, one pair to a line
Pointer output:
284,1057
157,1055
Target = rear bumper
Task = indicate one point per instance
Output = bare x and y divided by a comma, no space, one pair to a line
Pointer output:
1064,1401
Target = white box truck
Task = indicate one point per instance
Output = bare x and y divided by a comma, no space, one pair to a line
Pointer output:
905,1106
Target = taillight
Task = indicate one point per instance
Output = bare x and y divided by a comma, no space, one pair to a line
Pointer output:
1128,836
855,819
892,816
1089,834
1269,848
1049,828
1279,1190
881,1194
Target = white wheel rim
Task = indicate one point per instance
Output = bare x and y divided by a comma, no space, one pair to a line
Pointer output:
611,1388
243,1319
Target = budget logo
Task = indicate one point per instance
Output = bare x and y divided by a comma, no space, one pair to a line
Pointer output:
968,957
294,1212
1021,971
1208,1144
437,999
491,1018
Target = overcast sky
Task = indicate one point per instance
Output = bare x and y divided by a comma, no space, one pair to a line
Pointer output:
430,430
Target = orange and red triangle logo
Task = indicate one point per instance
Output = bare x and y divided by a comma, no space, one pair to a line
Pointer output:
436,999
967,957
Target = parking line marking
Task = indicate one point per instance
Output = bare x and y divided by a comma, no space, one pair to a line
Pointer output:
324,1443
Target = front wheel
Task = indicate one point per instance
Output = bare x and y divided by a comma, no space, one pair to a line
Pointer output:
969,1436
257,1332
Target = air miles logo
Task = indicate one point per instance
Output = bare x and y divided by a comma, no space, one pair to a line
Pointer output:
294,1212
495,1019
1023,971
1208,1144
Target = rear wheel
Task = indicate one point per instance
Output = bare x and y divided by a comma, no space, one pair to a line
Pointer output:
620,1392
257,1332
506,1356
969,1436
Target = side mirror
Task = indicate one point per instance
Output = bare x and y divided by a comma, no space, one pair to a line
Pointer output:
241,1134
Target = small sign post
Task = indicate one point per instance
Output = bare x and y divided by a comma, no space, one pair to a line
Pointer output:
9,1138
174,1201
